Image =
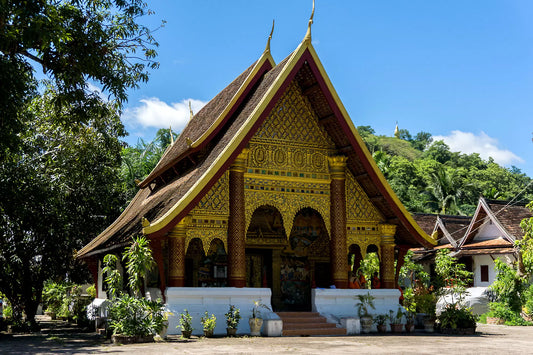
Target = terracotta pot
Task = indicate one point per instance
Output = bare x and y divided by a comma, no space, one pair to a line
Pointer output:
208,333
231,332
255,326
396,328
382,328
127,339
186,334
409,327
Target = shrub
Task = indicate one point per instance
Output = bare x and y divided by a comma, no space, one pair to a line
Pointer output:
136,316
208,323
186,321
455,316
233,317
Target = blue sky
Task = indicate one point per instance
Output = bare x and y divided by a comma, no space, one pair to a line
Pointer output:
461,70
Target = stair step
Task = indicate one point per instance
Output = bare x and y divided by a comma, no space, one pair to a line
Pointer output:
304,319
313,325
298,314
313,331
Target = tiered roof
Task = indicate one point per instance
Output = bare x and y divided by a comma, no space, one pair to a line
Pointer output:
218,133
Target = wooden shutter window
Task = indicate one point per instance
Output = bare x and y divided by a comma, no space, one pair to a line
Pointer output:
484,273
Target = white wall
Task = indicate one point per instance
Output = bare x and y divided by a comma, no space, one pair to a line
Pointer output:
488,231
478,260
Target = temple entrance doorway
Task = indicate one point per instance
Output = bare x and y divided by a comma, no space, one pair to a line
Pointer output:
305,261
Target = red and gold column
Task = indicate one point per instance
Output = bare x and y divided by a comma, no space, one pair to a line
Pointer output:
237,222
387,255
176,257
338,248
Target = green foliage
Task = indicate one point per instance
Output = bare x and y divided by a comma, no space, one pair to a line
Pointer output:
381,319
71,42
369,265
528,305
135,316
185,321
412,271
454,317
91,291
233,317
428,177
113,276
67,177
256,309
53,295
208,323
139,262
509,286
452,277
396,319
365,302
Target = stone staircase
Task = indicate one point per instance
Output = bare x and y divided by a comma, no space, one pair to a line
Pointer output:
307,323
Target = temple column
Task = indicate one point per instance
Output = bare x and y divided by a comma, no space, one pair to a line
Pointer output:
387,255
92,264
402,251
338,248
237,222
176,254
157,250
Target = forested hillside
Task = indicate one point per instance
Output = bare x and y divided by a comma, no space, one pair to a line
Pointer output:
428,177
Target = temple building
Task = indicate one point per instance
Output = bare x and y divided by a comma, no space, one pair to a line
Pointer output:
269,192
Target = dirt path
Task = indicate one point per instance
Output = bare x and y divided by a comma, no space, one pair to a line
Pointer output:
489,339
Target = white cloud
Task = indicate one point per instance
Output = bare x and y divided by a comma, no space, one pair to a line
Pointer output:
482,144
155,113
95,89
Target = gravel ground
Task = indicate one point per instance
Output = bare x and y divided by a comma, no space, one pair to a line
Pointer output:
488,339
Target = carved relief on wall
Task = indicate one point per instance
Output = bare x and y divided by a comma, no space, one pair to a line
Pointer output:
363,236
288,204
206,234
358,206
216,201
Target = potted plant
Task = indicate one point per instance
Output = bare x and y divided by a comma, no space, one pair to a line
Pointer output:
426,304
208,324
365,302
256,322
233,317
186,324
409,303
164,328
396,320
380,321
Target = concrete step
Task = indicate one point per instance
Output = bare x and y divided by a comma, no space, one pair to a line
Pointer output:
312,325
307,323
317,332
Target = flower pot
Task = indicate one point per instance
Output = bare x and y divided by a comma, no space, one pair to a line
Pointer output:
186,334
231,332
409,327
255,326
366,324
429,325
396,327
131,339
164,329
208,333
382,328
495,320
50,314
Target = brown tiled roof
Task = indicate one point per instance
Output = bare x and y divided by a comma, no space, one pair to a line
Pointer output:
510,216
488,251
426,221
154,204
490,243
455,226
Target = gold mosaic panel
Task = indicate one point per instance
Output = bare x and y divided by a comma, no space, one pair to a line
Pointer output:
288,204
207,235
216,201
358,206
294,120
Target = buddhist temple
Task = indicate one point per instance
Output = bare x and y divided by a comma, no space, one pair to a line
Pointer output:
268,192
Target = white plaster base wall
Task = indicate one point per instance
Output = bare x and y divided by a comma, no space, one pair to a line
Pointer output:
336,304
216,300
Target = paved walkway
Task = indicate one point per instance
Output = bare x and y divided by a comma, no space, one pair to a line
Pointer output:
488,340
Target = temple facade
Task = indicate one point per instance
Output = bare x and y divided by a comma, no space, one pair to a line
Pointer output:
269,188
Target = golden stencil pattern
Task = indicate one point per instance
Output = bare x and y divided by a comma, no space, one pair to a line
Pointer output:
294,120
216,201
358,206
207,235
288,204
363,241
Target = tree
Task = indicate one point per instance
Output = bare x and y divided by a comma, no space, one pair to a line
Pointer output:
422,140
445,191
71,42
58,191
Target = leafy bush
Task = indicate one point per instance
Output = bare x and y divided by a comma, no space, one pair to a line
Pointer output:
136,316
185,321
233,317
208,323
509,286
455,316
502,311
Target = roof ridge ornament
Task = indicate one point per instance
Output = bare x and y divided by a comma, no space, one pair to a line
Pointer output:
267,48
171,135
191,114
307,37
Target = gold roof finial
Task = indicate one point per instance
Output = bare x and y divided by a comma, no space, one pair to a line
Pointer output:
267,48
396,131
190,111
171,135
307,37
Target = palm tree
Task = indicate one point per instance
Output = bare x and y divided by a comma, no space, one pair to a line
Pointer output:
445,192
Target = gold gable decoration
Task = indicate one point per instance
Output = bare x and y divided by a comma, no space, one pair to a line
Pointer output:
216,201
358,206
